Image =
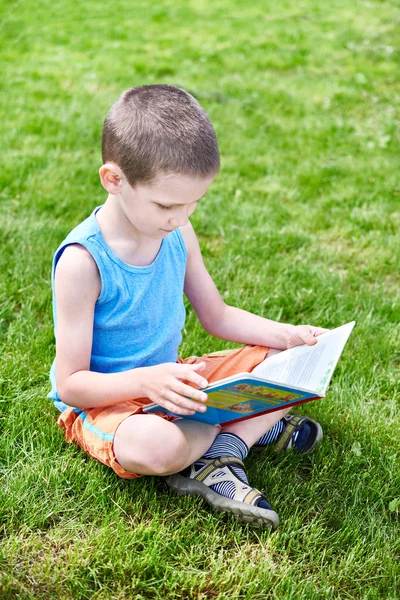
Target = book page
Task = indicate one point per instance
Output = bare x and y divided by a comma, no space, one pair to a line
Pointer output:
309,367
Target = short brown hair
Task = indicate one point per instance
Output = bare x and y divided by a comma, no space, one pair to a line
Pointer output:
159,129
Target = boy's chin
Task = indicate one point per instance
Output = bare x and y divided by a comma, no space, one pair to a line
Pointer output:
158,235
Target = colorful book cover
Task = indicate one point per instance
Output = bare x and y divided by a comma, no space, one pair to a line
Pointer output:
243,399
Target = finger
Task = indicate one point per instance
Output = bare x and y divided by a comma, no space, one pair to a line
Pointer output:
198,366
177,409
310,339
186,390
189,374
185,403
319,331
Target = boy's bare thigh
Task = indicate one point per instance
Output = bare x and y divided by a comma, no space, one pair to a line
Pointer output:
154,446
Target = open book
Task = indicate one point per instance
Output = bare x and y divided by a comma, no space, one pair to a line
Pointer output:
291,377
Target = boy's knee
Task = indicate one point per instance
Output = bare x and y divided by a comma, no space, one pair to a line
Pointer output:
159,450
171,456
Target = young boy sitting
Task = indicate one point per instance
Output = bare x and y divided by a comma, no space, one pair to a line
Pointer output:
118,283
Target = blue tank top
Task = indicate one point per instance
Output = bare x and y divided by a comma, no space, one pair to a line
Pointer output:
139,314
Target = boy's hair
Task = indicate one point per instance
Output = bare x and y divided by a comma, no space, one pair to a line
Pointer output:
159,129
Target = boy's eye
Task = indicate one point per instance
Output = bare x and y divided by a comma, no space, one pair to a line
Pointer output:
164,207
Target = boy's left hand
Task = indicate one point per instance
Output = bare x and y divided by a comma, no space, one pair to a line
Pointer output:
304,334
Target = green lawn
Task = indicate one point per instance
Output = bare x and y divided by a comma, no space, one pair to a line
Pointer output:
302,225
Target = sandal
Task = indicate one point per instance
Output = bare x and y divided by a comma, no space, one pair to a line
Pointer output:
218,470
294,423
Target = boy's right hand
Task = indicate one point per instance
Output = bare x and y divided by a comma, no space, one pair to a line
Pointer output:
164,385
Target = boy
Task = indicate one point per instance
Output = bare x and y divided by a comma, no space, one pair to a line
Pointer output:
118,282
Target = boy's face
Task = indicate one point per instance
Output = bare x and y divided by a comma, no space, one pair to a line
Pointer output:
157,208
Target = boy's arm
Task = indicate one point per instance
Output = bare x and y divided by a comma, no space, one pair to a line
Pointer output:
228,322
77,287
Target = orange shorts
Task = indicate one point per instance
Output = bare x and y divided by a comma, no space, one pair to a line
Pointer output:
94,429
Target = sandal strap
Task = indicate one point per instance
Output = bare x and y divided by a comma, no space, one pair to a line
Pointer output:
293,424
253,497
216,463
243,491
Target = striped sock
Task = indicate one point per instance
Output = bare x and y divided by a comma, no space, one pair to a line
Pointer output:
272,435
229,444
299,437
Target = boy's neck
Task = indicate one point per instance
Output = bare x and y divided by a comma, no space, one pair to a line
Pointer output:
128,244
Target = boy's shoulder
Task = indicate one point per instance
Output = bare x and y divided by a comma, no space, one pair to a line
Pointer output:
76,270
77,263
189,236
73,262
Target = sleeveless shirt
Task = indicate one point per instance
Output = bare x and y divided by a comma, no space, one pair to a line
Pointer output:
139,314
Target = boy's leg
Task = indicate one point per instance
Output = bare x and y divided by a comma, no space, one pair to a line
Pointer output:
219,475
149,445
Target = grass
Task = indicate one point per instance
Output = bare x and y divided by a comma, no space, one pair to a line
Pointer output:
302,225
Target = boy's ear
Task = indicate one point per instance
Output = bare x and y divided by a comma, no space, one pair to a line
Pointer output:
111,178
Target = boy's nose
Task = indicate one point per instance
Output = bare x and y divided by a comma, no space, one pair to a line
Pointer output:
179,221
